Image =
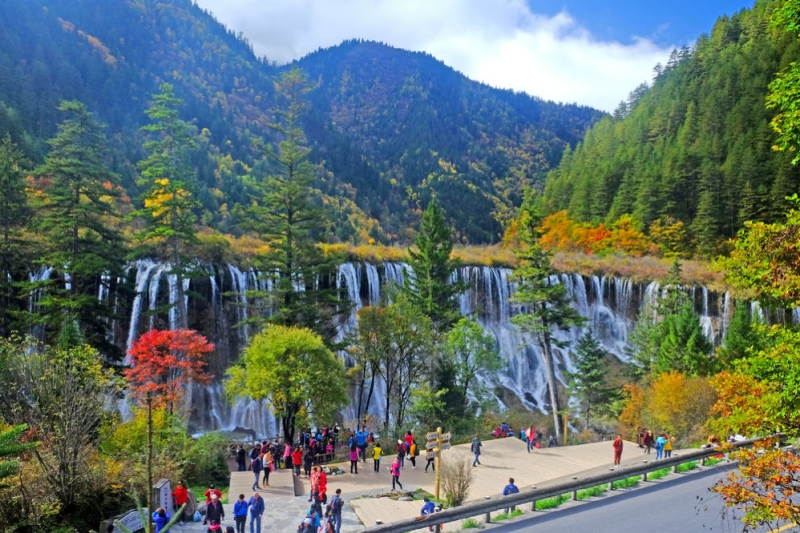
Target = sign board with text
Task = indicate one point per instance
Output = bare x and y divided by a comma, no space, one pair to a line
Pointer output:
432,455
432,435
445,446
446,436
430,445
163,494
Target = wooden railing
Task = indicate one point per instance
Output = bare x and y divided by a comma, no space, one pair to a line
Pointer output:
530,496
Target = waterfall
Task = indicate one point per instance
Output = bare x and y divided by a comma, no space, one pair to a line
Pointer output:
373,283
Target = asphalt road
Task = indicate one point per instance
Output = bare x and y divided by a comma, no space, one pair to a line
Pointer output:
682,505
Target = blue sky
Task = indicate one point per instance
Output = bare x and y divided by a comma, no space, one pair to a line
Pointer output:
582,51
665,23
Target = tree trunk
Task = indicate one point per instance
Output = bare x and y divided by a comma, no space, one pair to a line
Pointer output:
369,395
547,350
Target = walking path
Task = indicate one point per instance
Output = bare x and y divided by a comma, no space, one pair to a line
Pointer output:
501,459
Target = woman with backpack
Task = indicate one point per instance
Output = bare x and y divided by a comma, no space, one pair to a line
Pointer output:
413,452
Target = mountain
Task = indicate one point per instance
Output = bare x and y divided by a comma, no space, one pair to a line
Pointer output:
391,127
695,147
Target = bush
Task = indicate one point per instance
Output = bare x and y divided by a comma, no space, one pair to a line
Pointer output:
549,503
206,461
658,474
590,492
471,523
456,479
626,483
685,467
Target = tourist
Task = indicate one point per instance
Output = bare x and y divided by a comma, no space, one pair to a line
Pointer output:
267,464
240,513
215,512
211,490
361,440
313,481
297,460
308,460
241,459
377,453
256,466
337,503
430,462
395,470
530,437
256,505
287,455
160,518
307,525
400,449
413,452
648,441
476,449
552,443
427,509
660,446
229,529
322,487
180,496
510,489
409,438
668,445
617,450
353,459
214,527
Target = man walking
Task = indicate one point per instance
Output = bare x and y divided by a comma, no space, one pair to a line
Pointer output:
476,449
256,512
337,503
214,511
256,466
361,439
240,513
241,459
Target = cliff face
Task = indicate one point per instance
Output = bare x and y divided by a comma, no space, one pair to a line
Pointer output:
217,303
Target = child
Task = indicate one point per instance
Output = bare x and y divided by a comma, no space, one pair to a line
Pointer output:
377,453
353,459
395,469
214,527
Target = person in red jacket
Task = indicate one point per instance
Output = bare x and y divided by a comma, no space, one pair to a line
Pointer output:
617,450
297,460
322,485
211,490
181,496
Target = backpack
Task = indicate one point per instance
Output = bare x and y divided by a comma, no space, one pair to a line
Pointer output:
253,453
337,504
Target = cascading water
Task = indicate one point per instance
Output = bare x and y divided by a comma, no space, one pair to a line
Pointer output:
219,301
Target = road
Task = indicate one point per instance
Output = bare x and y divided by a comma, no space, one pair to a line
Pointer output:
681,505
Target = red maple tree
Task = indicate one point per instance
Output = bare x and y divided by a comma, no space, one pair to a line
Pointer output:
163,363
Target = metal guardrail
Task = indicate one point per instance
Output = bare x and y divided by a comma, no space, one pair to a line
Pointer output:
531,495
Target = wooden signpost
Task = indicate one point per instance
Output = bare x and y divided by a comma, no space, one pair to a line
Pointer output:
437,443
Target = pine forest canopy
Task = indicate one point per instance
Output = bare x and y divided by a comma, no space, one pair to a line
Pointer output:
697,146
388,128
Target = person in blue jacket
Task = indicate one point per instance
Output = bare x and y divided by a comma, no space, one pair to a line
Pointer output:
427,509
256,504
160,518
361,438
240,513
510,489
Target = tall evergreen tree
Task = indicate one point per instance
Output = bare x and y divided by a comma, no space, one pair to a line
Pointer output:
286,212
432,289
14,212
545,301
167,174
79,221
588,382
741,337
684,346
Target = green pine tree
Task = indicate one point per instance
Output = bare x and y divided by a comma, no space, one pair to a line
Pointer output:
588,382
286,213
14,213
169,202
684,346
741,337
546,302
10,446
432,290
78,219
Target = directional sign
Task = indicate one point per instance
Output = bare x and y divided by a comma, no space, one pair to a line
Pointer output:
445,446
433,435
431,455
430,445
446,436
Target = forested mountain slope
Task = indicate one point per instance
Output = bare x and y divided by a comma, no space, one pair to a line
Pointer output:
696,146
390,126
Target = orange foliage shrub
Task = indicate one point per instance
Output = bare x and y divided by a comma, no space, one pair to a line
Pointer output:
561,233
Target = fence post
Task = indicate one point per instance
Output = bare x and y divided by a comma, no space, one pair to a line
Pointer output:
488,518
674,469
574,494
703,461
610,485
533,505
644,476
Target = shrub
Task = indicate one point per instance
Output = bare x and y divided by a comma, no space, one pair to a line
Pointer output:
206,461
590,492
626,483
456,479
658,474
549,503
471,523
685,467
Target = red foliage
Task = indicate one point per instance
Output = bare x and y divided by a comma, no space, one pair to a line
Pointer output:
165,362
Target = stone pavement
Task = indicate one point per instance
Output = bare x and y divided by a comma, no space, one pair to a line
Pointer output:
501,459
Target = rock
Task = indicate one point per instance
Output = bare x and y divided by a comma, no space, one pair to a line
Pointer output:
405,499
191,506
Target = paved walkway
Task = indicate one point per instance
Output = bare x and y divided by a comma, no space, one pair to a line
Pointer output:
501,459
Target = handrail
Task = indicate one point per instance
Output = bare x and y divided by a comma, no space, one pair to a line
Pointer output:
495,503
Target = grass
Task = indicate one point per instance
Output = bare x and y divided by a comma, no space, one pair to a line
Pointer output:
199,490
685,467
658,474
711,461
549,503
591,492
471,523
626,483
505,516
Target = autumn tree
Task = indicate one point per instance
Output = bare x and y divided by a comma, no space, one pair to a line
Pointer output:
544,301
365,345
431,288
12,446
287,212
588,382
167,175
78,219
14,213
293,370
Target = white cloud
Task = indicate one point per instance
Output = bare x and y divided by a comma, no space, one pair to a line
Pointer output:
499,42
